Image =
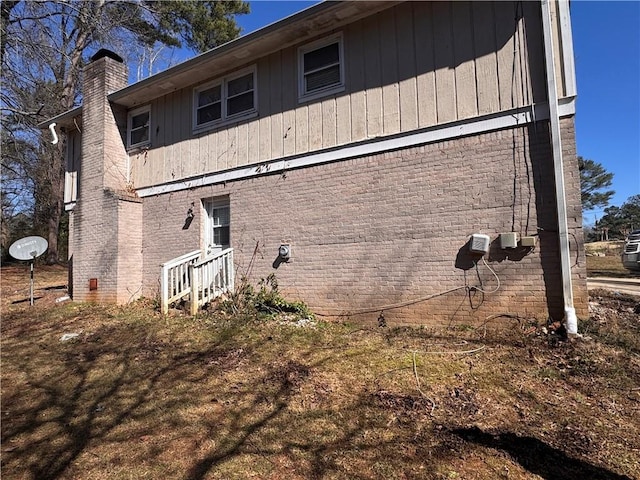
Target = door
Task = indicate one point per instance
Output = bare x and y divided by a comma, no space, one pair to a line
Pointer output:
217,236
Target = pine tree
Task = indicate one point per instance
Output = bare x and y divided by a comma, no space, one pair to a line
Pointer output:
593,180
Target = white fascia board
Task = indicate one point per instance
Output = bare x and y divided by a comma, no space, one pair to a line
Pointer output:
507,119
566,108
566,45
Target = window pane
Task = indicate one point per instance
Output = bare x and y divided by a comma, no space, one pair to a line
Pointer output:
140,120
220,216
241,103
221,236
321,57
323,78
209,96
209,113
140,135
240,85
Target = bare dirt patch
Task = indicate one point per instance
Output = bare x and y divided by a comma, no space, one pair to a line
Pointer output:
139,395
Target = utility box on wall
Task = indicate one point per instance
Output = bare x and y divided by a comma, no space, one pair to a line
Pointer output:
508,240
479,243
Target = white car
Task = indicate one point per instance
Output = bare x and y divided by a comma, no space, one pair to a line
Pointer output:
631,252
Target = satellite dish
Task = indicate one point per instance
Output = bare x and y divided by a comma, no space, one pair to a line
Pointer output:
28,248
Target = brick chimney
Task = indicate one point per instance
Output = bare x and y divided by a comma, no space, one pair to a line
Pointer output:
106,223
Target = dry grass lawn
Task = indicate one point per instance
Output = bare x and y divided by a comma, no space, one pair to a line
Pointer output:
609,265
137,395
606,267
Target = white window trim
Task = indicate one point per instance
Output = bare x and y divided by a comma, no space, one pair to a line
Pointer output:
323,42
130,115
224,118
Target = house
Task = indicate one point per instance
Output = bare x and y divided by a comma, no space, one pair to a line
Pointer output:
412,162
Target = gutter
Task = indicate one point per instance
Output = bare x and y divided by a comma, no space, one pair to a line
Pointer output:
571,321
63,119
232,45
321,17
139,93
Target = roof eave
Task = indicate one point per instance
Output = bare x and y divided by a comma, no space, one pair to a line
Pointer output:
307,23
313,21
64,119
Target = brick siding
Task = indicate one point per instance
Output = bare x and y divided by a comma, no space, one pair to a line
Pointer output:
106,232
388,228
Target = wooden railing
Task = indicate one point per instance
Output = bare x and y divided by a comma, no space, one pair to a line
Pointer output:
200,279
175,280
211,277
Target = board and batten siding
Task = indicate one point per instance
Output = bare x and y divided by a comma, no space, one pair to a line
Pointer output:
415,65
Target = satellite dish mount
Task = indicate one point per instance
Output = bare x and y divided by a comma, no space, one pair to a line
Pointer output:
29,248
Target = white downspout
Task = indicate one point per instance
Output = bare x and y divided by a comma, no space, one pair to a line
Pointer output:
571,321
52,127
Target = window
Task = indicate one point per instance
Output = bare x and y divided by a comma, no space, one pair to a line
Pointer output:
138,122
230,98
217,235
321,68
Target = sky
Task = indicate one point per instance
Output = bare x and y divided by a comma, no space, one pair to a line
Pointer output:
606,42
265,12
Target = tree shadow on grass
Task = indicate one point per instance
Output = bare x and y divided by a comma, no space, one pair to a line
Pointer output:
76,396
120,401
87,405
537,457
366,437
244,422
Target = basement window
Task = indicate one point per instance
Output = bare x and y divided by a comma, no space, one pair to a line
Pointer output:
138,122
321,68
226,99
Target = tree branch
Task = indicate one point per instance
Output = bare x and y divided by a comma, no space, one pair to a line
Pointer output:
23,112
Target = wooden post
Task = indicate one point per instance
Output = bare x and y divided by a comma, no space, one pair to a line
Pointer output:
230,286
195,288
164,290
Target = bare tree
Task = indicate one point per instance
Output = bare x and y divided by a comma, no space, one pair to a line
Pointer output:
151,59
44,48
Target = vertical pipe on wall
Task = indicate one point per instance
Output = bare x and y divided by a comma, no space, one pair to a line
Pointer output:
54,135
571,322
